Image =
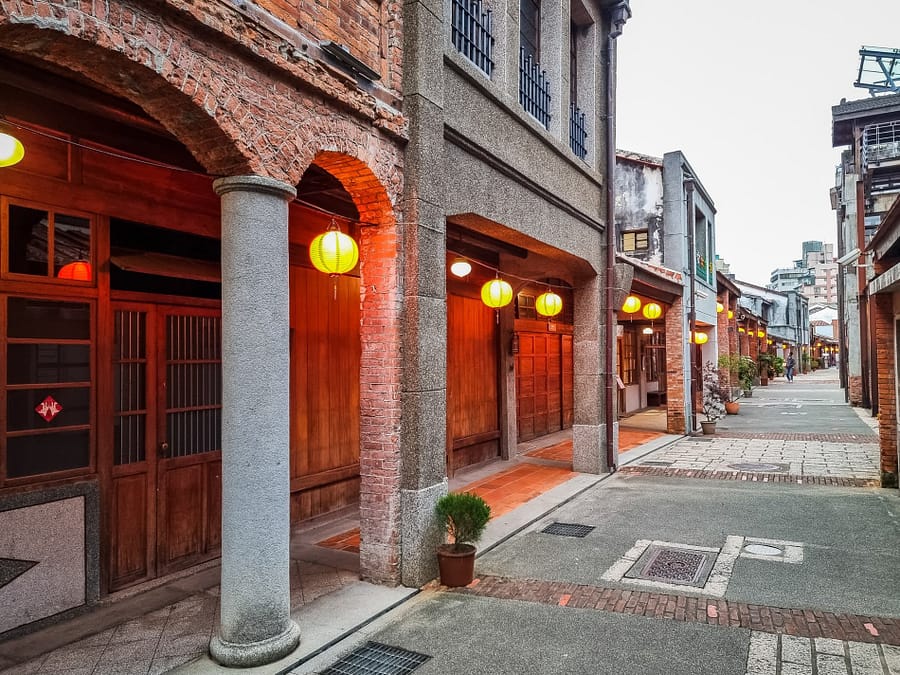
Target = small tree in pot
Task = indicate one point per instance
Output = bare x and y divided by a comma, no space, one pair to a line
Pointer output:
713,398
464,516
746,373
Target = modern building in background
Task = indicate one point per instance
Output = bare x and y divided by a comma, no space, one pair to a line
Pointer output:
814,274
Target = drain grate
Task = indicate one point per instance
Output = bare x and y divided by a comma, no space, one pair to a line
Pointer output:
673,565
656,463
374,658
758,466
568,529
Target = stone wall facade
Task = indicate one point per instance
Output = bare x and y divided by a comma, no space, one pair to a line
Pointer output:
884,341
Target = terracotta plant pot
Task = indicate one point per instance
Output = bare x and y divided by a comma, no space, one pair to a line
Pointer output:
708,427
457,567
732,407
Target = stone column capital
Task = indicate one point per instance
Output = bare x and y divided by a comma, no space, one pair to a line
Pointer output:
254,183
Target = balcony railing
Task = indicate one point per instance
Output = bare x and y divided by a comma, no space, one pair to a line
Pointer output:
881,143
577,131
534,89
471,33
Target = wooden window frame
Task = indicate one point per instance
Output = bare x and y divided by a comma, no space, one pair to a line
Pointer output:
91,385
52,210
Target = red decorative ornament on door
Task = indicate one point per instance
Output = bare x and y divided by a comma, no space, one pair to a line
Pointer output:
48,409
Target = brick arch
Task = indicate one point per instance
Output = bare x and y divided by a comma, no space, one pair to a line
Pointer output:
106,57
380,364
365,188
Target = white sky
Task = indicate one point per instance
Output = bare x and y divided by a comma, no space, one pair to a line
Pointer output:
745,90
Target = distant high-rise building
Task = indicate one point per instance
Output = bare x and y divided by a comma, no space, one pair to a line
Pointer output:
814,275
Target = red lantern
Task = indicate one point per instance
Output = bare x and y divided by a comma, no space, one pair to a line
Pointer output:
80,270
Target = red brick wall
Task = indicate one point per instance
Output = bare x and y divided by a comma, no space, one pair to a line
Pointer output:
675,396
883,339
724,341
233,115
357,24
855,389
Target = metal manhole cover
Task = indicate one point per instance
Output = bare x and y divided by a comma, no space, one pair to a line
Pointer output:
568,529
374,658
763,549
655,463
758,466
684,566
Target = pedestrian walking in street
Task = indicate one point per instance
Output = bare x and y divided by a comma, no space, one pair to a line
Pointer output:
789,367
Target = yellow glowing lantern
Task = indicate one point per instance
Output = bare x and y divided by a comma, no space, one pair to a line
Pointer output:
333,252
548,304
80,270
496,293
460,267
741,329
652,311
11,150
784,346
771,342
730,314
631,305
699,338
761,333
719,308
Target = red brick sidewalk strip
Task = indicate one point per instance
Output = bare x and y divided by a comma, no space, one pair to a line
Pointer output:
692,609
781,436
749,477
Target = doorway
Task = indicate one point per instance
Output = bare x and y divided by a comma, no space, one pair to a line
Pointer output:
164,497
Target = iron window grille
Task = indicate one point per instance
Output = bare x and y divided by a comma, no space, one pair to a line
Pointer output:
577,131
471,33
534,89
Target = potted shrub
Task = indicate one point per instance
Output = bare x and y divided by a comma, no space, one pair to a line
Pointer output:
464,516
713,398
746,373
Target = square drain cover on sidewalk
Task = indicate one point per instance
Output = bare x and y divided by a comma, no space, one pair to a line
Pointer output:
568,529
672,565
374,658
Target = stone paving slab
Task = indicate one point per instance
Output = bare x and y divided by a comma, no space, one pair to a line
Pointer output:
793,655
799,457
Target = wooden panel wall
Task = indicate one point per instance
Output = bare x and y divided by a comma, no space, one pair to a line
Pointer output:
473,392
545,384
325,357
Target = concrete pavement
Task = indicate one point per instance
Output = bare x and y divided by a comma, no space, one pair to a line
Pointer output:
681,575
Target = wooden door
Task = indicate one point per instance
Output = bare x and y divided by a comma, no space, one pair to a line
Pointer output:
473,391
165,491
545,389
189,422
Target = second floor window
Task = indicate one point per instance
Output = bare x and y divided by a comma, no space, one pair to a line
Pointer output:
472,26
636,240
530,28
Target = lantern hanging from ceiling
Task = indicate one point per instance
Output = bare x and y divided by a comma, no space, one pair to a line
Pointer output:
11,150
333,252
719,308
652,311
741,329
701,338
784,346
760,333
631,305
460,267
80,270
496,293
771,342
730,314
548,304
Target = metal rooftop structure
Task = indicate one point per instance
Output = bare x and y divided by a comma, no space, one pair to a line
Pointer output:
879,70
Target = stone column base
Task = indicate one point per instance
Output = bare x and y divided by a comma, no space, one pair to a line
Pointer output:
236,655
421,534
589,447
